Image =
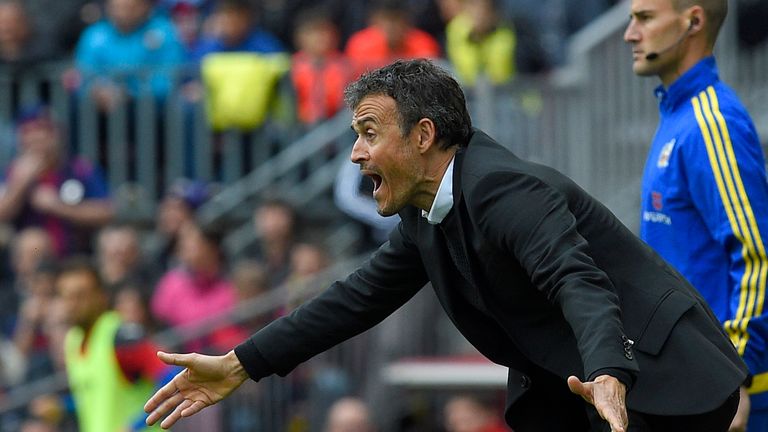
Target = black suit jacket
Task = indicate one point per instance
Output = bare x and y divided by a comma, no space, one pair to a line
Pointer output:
540,277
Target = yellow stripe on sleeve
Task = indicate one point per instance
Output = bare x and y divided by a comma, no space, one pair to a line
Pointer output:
724,196
761,255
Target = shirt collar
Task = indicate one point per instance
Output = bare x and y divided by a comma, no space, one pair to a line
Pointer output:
443,202
701,75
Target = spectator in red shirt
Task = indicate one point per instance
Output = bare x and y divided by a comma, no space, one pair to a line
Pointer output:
319,70
390,36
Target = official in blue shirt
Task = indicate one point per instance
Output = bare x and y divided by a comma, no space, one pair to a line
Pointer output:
704,192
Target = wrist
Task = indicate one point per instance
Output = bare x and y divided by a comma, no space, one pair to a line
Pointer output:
234,366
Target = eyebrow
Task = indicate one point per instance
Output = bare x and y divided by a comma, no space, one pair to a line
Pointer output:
361,121
640,12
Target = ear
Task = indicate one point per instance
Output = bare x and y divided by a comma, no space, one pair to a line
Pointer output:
696,19
425,129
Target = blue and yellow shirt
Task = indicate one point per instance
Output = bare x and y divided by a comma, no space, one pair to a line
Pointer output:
705,207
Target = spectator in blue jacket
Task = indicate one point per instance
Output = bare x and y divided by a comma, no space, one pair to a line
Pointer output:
132,51
232,28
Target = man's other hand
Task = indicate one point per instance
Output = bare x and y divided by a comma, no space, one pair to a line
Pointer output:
608,395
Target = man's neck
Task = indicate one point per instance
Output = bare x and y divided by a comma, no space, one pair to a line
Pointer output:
692,58
434,175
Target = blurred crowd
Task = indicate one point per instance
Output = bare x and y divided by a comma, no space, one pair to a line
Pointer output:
236,49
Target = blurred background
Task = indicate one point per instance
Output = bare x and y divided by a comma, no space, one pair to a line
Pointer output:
210,137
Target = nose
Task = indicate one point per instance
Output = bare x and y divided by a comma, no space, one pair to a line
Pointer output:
630,34
359,154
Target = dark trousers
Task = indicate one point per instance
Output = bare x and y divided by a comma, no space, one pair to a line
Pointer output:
551,407
717,420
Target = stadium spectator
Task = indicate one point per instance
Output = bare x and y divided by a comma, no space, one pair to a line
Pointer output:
111,366
119,258
307,260
472,413
232,28
30,247
241,65
319,70
131,301
30,336
480,44
133,51
275,225
45,187
198,288
60,22
176,208
188,17
20,45
251,281
389,36
349,415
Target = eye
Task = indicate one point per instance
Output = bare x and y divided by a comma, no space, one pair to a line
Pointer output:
369,135
642,17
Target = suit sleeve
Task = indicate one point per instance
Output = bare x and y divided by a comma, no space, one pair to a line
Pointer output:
386,281
532,221
725,171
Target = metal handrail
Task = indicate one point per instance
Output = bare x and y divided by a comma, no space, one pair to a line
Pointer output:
269,172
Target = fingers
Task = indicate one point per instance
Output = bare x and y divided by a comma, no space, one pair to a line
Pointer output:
175,415
580,388
161,395
616,420
195,408
164,407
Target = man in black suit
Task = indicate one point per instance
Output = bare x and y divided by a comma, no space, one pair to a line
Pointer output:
537,274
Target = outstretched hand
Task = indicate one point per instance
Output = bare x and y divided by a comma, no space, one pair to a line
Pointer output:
205,381
608,395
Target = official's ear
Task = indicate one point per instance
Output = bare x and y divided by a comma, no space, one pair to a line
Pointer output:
696,18
426,134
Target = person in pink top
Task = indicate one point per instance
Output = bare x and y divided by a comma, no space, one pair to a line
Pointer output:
197,289
391,36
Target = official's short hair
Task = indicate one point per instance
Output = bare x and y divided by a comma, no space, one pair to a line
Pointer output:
715,11
420,90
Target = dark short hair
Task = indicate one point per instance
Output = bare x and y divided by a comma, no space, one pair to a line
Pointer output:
715,11
81,264
420,90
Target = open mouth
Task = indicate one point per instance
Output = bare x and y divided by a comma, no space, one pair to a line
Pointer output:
377,180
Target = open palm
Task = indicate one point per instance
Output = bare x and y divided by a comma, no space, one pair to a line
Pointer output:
204,381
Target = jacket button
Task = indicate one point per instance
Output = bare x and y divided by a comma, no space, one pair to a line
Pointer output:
628,354
525,382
